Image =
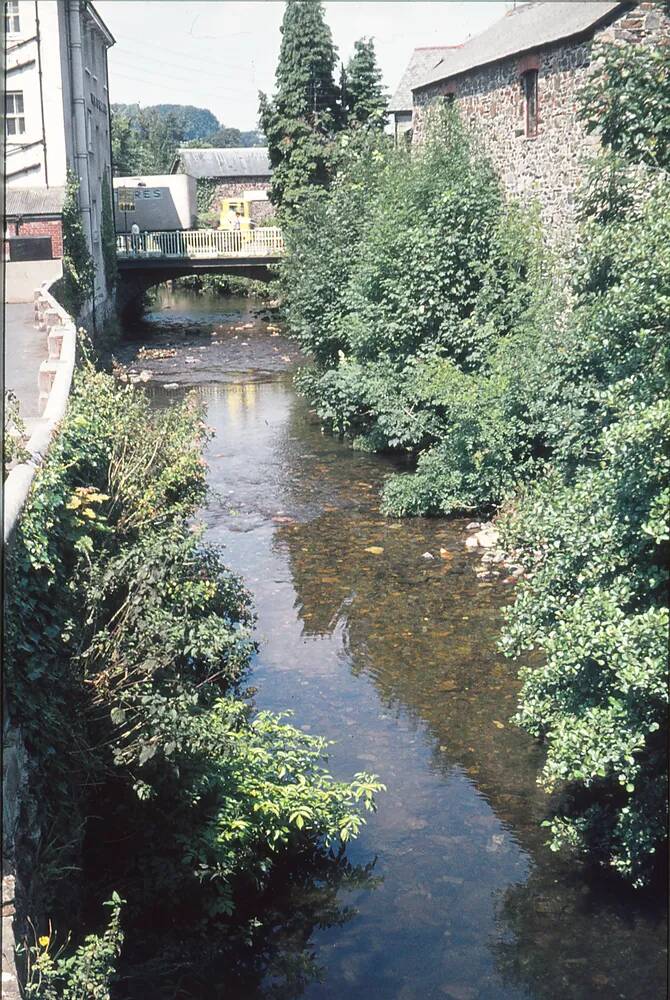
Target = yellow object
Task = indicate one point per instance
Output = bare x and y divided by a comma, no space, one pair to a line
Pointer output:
237,205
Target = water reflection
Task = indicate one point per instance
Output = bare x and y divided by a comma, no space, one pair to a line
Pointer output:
272,959
392,655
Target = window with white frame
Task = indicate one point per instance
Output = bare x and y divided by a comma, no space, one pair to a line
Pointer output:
12,19
15,122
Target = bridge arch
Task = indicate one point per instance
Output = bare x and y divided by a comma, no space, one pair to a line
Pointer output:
149,259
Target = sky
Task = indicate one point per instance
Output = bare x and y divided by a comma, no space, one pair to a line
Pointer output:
218,54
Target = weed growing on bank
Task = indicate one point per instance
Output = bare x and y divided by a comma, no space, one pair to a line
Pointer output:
126,638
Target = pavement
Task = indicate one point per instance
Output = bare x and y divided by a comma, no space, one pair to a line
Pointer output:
25,348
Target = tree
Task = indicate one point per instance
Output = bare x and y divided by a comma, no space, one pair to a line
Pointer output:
363,98
626,102
125,145
304,114
160,136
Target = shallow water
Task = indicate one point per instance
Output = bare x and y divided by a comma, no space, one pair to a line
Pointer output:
393,656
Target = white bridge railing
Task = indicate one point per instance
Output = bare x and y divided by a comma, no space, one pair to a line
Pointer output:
196,244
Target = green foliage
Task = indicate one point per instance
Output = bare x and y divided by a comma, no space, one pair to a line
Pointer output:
205,192
626,102
593,539
416,289
437,329
108,235
85,974
125,145
228,284
304,113
145,140
363,98
13,450
78,268
126,636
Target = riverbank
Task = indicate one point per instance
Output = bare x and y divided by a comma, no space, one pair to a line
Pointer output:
393,656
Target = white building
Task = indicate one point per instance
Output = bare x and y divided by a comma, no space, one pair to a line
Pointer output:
57,118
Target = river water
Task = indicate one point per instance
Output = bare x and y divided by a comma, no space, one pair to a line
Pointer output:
391,655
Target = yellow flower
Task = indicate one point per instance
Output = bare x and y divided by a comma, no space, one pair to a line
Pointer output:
43,941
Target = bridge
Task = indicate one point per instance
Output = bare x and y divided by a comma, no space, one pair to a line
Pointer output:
149,258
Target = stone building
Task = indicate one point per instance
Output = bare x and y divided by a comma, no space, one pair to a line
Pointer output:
230,172
422,63
517,83
56,119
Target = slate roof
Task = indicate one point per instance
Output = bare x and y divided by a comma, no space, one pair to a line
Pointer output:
523,29
232,161
34,201
420,65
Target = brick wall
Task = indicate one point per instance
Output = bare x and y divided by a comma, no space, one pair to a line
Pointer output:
38,227
550,165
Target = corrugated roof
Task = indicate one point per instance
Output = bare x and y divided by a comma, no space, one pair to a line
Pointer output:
521,30
34,201
422,62
231,161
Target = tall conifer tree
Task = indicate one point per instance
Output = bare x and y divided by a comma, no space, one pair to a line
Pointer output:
363,96
304,114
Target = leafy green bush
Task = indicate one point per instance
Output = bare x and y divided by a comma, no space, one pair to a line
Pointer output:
126,638
626,102
86,974
415,289
593,535
13,449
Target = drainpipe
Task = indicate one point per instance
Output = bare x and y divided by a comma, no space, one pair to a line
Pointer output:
79,107
39,73
80,143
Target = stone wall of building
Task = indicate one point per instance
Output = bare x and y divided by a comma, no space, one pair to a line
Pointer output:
548,166
235,188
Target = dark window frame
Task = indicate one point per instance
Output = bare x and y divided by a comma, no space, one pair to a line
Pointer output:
531,102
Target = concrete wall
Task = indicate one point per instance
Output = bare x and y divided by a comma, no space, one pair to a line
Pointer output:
550,165
162,202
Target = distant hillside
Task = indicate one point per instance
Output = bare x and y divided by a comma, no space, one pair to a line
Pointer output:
144,140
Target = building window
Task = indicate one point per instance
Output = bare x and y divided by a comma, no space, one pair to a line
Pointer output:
15,123
12,20
530,94
89,130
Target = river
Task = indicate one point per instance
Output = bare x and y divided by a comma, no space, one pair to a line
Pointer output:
391,655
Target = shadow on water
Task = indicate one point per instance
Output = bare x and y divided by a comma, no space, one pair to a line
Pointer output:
392,655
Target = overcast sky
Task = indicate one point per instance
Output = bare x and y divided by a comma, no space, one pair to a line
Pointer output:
218,54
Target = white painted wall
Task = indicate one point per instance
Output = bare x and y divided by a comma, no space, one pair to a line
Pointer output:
162,202
27,165
42,155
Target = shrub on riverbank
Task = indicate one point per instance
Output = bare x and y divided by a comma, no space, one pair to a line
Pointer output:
126,637
448,339
593,535
416,288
